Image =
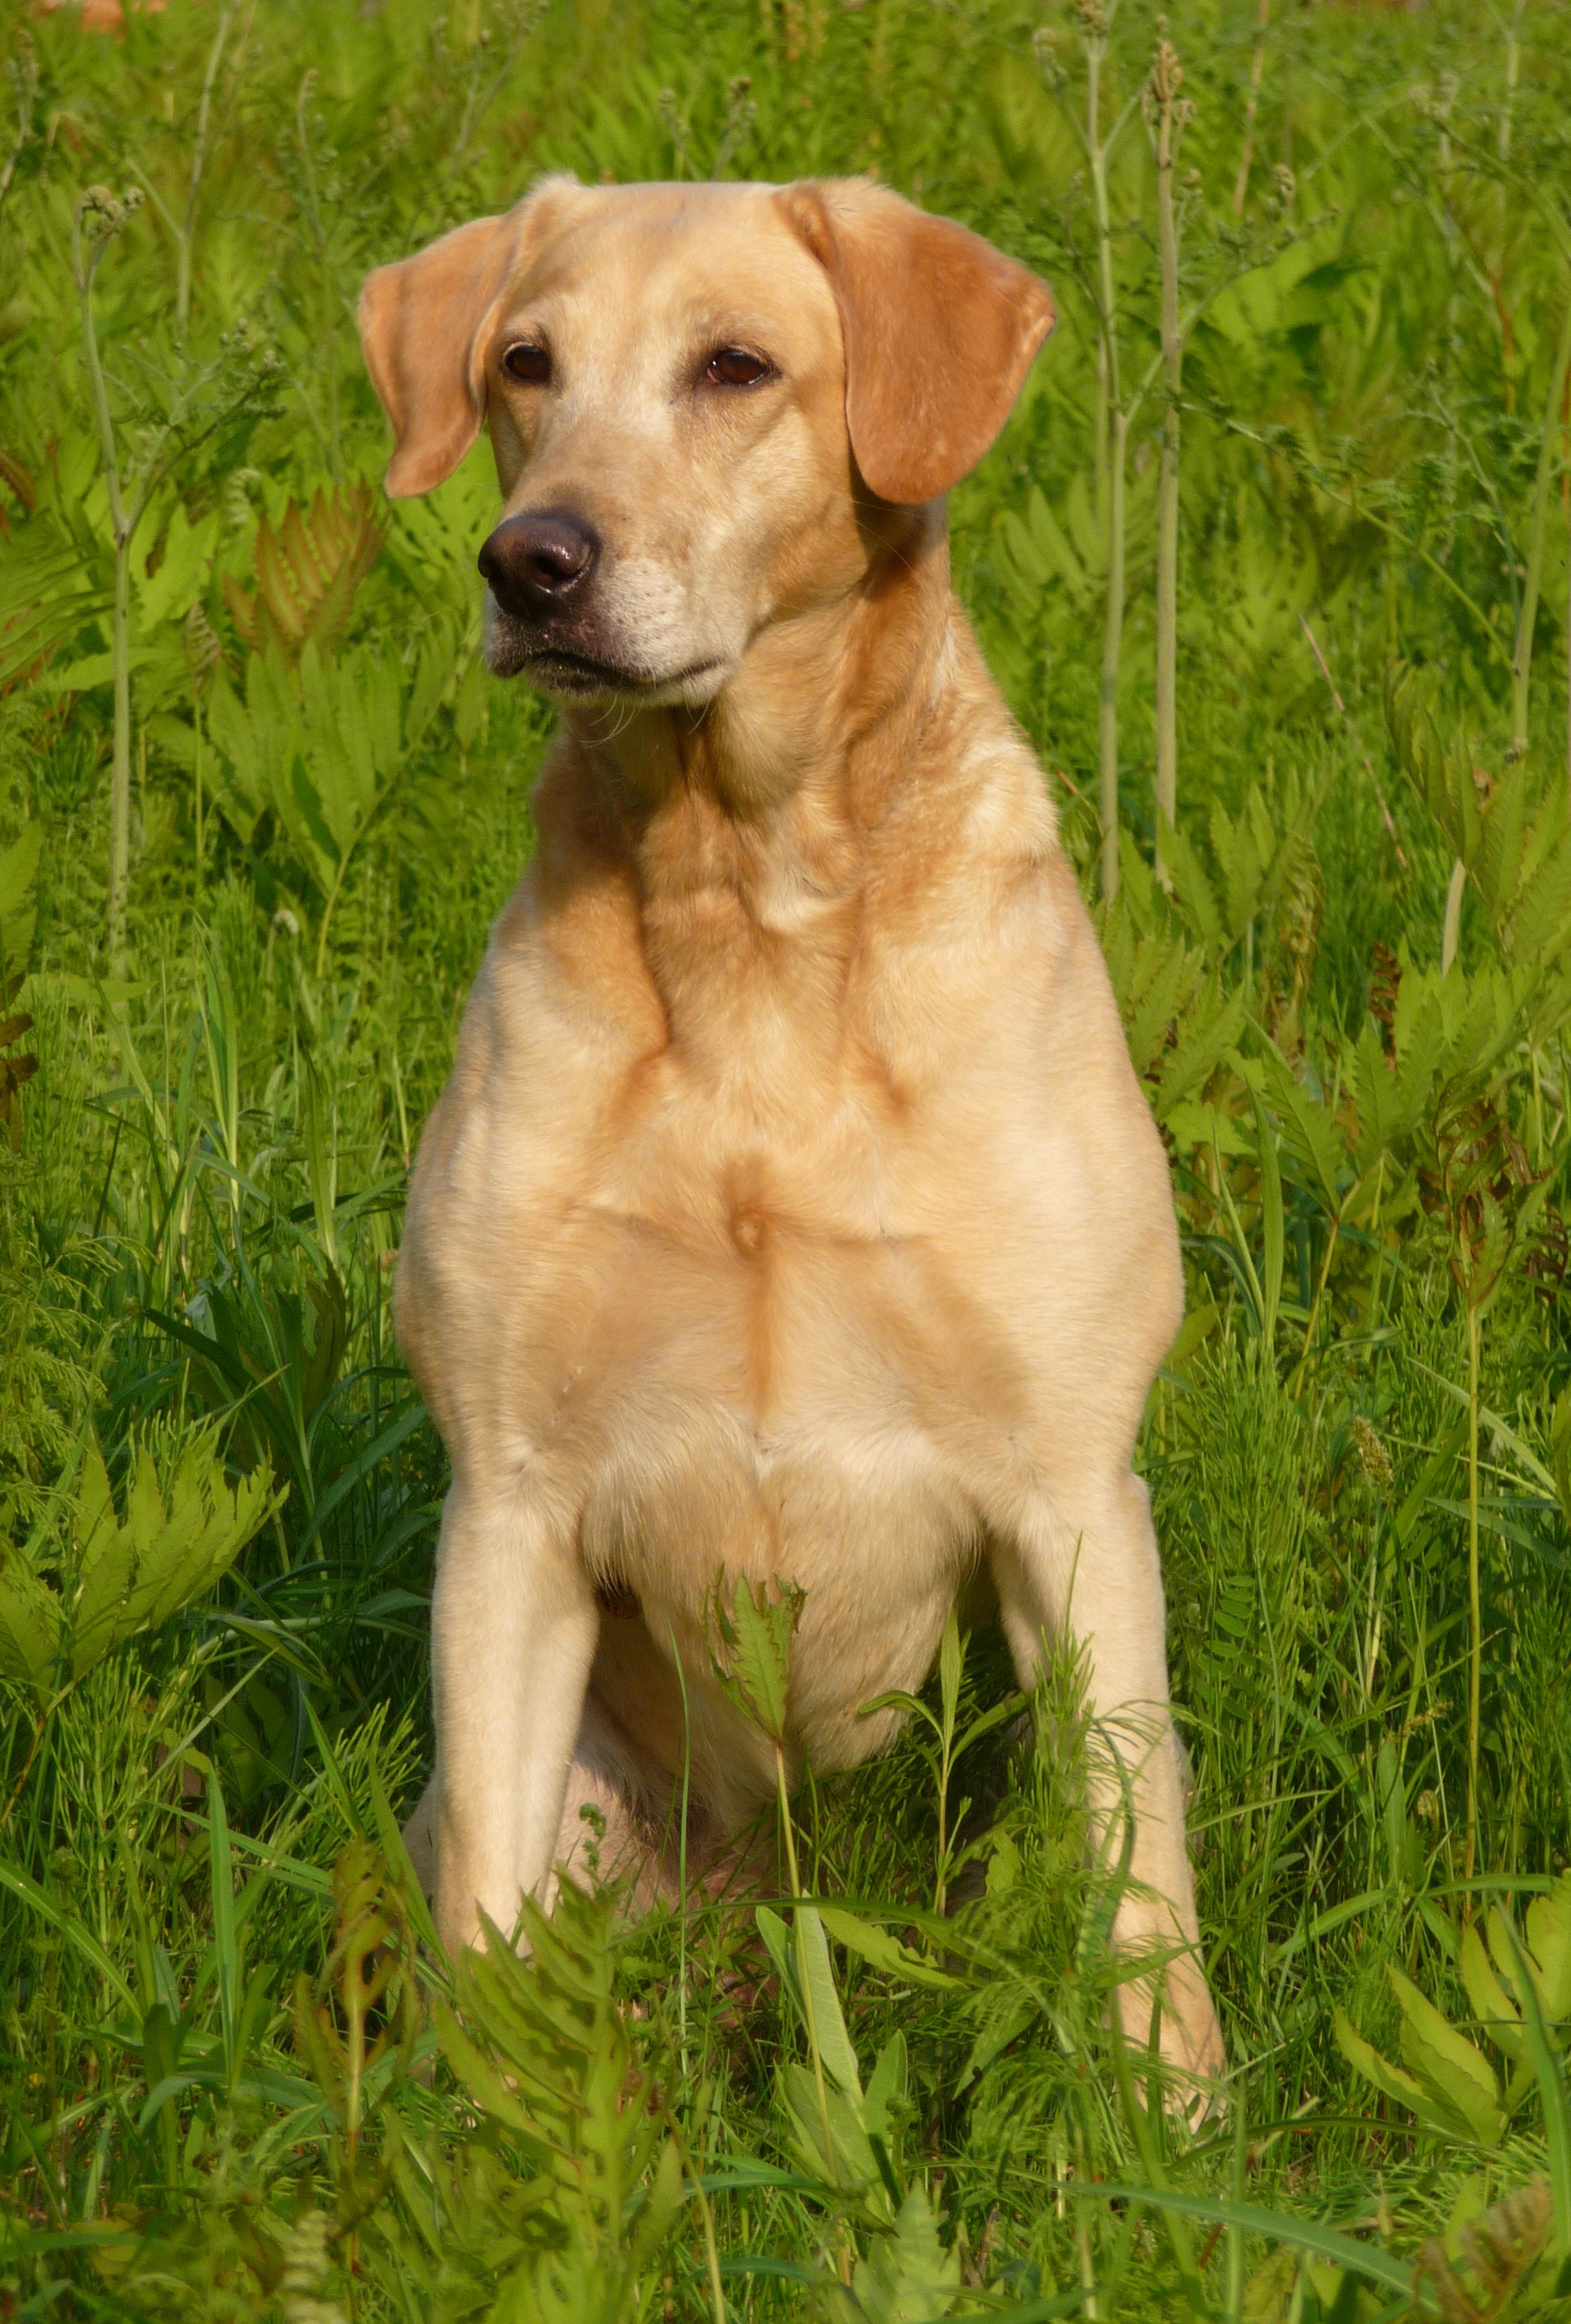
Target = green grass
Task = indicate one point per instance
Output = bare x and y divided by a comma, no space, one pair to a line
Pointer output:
235,2079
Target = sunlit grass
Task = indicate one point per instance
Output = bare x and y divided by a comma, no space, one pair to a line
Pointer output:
237,2081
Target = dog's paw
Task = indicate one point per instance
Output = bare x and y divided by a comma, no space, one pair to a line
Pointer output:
1194,2062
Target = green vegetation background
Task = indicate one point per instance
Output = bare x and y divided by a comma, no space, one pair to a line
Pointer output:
258,805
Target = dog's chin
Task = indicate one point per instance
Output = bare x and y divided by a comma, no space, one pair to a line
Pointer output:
572,678
512,651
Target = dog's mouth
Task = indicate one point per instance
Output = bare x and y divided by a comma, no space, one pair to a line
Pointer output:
557,671
584,655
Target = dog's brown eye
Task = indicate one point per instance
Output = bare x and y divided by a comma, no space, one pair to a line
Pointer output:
734,367
528,362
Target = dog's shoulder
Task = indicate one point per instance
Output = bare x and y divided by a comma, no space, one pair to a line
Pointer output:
964,854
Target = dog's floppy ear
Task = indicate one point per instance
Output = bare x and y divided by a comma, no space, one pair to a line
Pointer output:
940,330
424,324
422,328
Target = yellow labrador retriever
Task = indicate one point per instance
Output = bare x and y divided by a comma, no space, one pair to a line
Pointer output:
793,1210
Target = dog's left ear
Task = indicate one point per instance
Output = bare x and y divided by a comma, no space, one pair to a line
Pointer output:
940,330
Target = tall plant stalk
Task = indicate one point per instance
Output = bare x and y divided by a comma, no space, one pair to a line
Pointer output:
313,210
22,68
1513,70
1112,653
183,230
1114,408
1451,926
200,401
1538,533
1112,430
98,216
1252,107
1171,115
199,164
798,1931
1474,1615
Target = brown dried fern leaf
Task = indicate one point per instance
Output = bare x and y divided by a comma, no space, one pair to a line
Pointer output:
306,573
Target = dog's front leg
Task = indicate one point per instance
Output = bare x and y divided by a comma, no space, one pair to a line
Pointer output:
1093,1569
514,1626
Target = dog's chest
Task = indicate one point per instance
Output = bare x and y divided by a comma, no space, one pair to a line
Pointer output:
766,1363
719,1287
760,1229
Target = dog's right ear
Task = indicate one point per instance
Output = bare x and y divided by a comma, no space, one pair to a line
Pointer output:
424,326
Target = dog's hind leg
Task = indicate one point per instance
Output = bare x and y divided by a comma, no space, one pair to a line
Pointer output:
614,1820
420,1837
616,1814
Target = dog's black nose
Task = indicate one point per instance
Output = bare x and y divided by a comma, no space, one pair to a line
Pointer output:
534,563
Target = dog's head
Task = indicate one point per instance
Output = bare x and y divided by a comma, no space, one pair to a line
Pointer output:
702,401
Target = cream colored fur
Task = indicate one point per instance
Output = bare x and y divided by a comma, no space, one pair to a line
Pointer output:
792,1209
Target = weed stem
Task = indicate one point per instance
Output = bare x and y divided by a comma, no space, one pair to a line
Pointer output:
1475,1622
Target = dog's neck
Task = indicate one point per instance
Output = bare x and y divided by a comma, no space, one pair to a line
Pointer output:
745,831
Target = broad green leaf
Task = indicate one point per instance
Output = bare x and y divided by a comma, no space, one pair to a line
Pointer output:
654,2218
93,669
777,1939
1551,2079
186,551
1158,980
752,1663
31,1622
880,1949
951,1664
1271,1224
828,2022
1390,1100
850,2164
144,1516
1549,1944
1540,920
1498,866
1495,2012
1008,2010
95,1502
1192,890
907,2277
489,2088
1278,296
1392,2082
1549,1933
1263,2219
1194,1125
19,868
18,873
129,1576
1204,1041
1003,1864
137,1575
1310,1130
886,2089
1458,2078
1443,781
109,1564
71,1927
